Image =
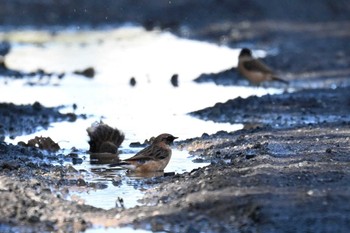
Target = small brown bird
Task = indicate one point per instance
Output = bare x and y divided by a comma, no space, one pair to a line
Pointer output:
152,158
254,70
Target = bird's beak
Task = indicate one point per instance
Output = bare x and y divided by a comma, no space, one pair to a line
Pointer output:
174,138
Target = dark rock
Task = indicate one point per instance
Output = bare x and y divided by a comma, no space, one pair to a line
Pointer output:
175,80
81,182
5,48
166,174
88,72
132,82
77,161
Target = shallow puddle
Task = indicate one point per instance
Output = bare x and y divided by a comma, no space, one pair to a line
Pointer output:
151,107
112,230
118,184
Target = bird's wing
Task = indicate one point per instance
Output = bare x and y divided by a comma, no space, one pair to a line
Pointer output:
256,65
149,153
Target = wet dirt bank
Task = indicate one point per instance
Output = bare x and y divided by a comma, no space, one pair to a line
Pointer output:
285,180
262,179
19,120
31,198
287,171
283,110
32,189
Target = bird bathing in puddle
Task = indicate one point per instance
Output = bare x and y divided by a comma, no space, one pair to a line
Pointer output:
151,161
153,158
104,143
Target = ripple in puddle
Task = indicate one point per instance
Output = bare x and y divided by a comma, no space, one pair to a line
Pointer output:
121,189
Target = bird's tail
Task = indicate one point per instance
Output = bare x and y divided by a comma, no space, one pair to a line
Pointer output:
278,79
104,138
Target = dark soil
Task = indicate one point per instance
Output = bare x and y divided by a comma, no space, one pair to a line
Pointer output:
33,192
284,110
26,119
286,171
285,180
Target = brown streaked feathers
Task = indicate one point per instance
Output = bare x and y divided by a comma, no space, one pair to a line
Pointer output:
152,158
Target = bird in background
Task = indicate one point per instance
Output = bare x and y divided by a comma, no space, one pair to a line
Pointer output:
254,70
104,139
153,158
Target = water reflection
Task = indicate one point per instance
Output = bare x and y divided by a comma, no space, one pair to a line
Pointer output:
119,184
142,175
103,158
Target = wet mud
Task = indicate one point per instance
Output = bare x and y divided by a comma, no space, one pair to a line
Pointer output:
33,192
16,120
285,171
284,180
283,110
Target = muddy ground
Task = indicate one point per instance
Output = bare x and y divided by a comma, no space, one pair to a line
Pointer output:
286,171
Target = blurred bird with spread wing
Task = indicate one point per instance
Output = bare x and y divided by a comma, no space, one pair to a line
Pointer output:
104,139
